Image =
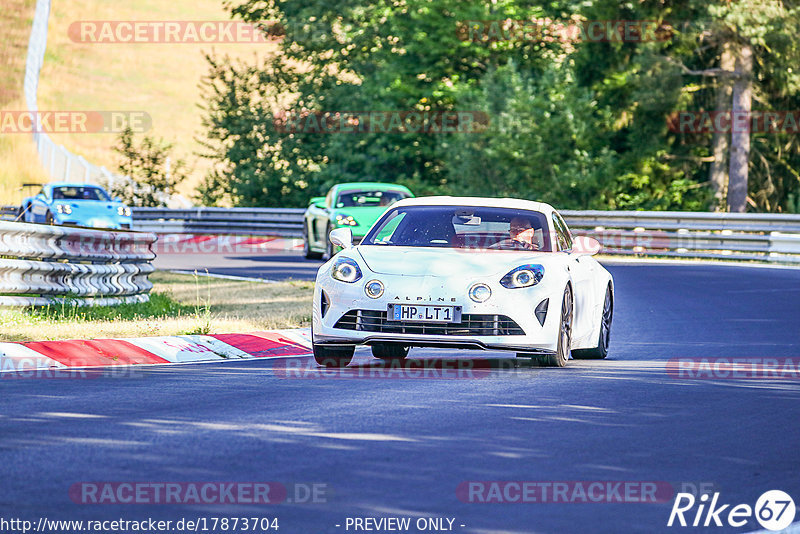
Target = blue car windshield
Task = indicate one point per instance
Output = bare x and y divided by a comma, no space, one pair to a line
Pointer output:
79,193
461,227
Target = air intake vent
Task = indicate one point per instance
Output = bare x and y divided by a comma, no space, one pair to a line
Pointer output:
470,325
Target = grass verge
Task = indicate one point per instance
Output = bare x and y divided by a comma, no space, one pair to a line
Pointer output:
179,304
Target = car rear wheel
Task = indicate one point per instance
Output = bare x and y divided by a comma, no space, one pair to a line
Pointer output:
388,351
601,350
310,255
559,359
333,356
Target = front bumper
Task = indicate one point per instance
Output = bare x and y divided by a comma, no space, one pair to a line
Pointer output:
344,315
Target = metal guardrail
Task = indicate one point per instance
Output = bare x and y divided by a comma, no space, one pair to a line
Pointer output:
698,235
41,264
8,213
702,235
283,222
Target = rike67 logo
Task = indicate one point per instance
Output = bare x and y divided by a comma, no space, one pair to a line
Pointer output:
774,510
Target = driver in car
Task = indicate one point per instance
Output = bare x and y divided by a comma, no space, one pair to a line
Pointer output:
520,236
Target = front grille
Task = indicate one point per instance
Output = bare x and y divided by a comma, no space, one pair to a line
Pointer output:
470,325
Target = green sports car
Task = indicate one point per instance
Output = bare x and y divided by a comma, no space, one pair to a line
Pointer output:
354,205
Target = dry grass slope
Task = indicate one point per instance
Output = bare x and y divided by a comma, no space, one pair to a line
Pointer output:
161,79
18,160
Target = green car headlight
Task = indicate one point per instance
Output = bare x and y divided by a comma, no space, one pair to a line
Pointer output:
345,220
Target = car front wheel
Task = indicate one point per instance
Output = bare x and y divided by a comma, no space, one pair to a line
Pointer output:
327,356
329,248
559,359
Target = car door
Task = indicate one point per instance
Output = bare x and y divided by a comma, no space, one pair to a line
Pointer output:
321,220
40,205
581,269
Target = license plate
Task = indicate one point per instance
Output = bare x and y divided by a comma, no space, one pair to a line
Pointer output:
424,313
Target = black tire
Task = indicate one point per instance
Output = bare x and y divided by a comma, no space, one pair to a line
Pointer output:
333,356
389,351
559,359
601,350
310,255
48,218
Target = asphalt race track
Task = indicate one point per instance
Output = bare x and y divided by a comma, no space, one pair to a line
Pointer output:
279,266
400,447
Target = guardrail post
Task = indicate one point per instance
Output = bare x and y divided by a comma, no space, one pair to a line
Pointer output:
67,164
784,247
52,158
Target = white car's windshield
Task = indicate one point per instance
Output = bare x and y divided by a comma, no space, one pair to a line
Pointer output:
462,227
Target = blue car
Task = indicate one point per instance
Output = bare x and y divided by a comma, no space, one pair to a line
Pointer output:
74,204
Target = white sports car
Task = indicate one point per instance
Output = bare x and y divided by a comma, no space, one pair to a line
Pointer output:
466,273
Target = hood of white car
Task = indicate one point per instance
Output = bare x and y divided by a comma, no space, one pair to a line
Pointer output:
424,261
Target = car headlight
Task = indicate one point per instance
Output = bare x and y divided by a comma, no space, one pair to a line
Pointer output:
524,276
345,220
346,270
124,211
66,209
480,292
374,289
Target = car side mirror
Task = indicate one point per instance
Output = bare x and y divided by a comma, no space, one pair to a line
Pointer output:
583,245
342,237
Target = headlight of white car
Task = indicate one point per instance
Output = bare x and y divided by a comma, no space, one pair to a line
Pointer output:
125,211
346,270
524,276
66,209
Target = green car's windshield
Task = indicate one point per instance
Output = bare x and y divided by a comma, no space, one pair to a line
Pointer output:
354,199
462,227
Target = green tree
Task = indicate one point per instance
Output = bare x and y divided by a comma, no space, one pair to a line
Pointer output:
152,173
